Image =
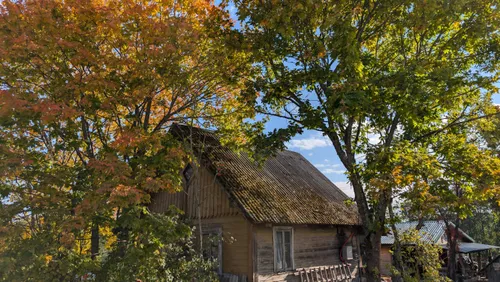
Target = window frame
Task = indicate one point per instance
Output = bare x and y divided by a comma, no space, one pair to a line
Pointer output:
184,172
292,244
216,231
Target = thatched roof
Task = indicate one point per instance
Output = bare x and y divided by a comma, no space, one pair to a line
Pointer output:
287,189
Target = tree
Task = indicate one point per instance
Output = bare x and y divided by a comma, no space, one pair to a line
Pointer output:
88,89
422,261
457,174
402,71
484,223
485,219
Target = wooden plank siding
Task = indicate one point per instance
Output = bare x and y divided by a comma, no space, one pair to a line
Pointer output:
214,201
385,260
313,247
235,247
216,211
160,202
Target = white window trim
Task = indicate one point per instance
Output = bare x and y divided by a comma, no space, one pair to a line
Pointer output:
292,244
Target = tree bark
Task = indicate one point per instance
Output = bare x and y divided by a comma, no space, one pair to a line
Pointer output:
373,221
372,256
121,232
94,241
452,250
398,259
452,261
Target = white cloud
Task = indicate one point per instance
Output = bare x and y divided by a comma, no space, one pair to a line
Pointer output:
345,187
309,143
310,154
326,165
328,168
333,171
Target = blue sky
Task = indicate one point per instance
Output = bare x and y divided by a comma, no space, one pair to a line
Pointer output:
315,147
320,152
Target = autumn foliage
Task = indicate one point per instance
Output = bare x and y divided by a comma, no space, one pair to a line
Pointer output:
88,90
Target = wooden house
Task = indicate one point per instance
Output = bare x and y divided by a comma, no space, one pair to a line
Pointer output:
272,220
434,232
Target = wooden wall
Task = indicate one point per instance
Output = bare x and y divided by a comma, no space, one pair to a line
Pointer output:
216,211
235,246
312,247
160,202
248,249
493,270
213,200
385,260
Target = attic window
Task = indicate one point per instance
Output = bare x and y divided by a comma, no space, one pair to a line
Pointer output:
188,172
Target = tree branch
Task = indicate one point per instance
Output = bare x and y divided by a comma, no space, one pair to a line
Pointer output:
452,124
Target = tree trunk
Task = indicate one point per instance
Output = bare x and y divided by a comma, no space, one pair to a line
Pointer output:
452,250
121,232
372,218
452,261
372,256
94,241
398,259
373,225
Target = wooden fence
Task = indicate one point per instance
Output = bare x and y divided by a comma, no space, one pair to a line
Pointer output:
334,273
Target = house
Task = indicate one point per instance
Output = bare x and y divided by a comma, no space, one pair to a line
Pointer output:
272,219
434,232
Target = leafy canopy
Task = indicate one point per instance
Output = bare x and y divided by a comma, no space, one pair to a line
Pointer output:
402,71
88,90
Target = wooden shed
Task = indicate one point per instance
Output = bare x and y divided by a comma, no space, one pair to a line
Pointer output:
271,220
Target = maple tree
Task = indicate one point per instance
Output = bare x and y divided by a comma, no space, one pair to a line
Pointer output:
449,177
402,71
88,90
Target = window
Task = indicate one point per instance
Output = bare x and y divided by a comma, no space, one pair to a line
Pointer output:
212,246
188,172
283,248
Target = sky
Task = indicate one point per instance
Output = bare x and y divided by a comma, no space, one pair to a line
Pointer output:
320,152
315,147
